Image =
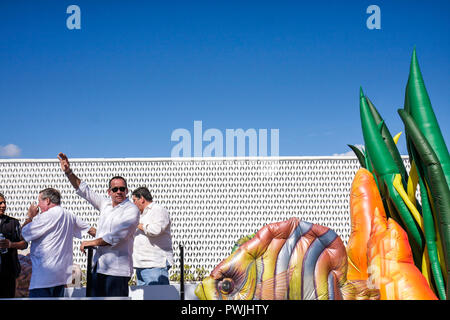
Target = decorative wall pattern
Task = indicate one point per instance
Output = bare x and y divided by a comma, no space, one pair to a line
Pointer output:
212,201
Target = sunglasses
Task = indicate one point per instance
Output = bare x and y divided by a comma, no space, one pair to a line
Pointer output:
115,189
2,202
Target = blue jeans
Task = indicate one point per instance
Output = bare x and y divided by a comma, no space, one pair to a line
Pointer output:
51,292
152,276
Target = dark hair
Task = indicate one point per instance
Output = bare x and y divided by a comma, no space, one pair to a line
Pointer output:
52,194
2,196
117,177
142,192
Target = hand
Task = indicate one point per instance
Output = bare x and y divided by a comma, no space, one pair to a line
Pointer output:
64,162
92,232
93,243
33,210
5,243
87,243
83,244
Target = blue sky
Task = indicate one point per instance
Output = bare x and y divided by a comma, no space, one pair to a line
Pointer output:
136,71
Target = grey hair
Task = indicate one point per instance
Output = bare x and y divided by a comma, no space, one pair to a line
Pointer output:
52,194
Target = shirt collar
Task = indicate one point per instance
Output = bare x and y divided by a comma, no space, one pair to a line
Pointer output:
124,202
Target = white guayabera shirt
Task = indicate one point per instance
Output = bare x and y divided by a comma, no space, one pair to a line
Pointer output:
51,235
116,226
153,246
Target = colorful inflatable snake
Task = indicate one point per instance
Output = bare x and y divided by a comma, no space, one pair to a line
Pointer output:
291,260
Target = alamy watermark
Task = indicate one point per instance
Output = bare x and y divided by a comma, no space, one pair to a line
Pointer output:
74,20
234,143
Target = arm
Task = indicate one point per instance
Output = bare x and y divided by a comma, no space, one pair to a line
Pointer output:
13,245
65,167
156,223
93,243
21,245
82,226
40,226
33,210
18,241
82,189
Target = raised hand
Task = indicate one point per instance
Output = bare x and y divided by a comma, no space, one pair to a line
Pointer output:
33,210
64,162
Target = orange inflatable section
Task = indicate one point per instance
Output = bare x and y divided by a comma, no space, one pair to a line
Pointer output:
391,267
364,199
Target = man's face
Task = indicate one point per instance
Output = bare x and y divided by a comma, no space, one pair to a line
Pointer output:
140,203
2,206
118,191
43,204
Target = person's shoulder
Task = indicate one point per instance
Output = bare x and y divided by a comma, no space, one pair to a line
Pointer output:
9,219
129,205
53,212
56,209
67,212
158,207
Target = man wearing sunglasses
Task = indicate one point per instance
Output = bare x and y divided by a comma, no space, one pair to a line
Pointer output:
119,217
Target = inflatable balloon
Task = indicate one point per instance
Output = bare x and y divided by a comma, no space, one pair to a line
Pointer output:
427,223
378,248
391,267
364,199
429,154
399,248
293,260
386,171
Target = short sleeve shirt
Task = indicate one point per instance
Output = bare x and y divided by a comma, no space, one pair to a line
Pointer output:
10,228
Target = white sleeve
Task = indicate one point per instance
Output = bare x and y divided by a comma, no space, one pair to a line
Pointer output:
156,223
92,197
80,226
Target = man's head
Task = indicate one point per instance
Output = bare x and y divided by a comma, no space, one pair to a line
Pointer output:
2,204
48,198
117,190
141,198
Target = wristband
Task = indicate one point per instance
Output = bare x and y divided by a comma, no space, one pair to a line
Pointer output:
68,173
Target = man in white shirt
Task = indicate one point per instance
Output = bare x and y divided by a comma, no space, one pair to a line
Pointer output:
51,235
119,217
152,251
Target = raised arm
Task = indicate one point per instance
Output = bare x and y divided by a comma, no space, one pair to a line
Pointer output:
82,188
65,167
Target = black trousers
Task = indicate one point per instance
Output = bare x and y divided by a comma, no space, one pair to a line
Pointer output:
104,285
7,286
50,292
